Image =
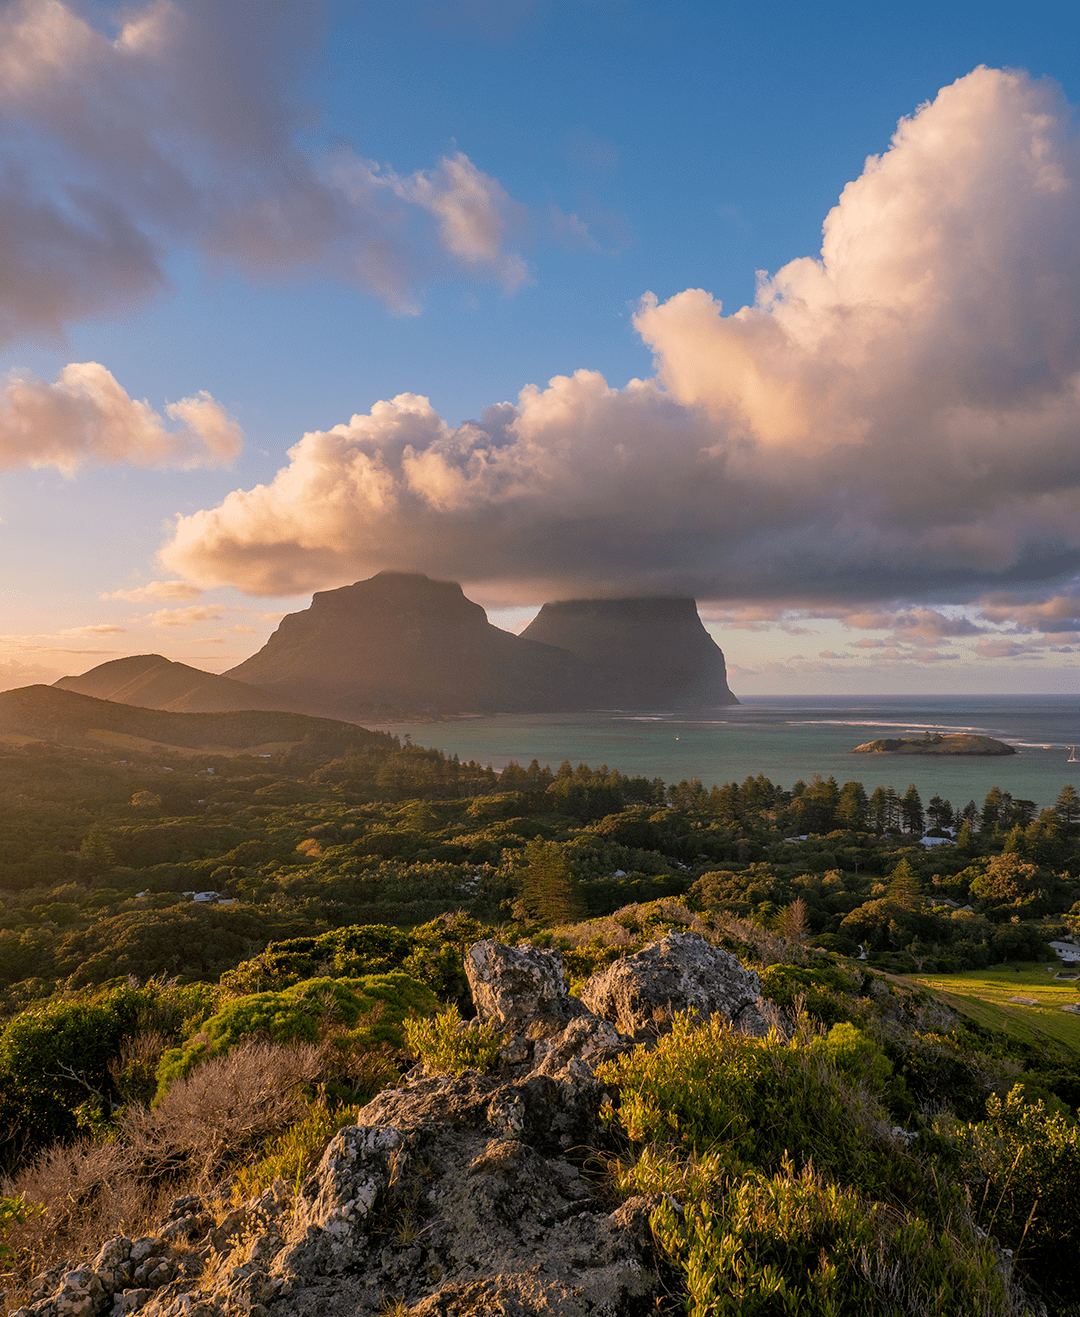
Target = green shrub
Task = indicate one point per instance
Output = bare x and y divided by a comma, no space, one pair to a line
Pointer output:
1029,1164
751,1102
13,1212
373,1008
797,1244
53,1057
293,1154
820,988
855,1055
343,953
447,1046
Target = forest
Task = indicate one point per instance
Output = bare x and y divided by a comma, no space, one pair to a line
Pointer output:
160,908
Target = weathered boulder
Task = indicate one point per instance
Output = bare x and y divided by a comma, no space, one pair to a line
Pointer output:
520,988
330,1222
574,1053
460,1196
681,972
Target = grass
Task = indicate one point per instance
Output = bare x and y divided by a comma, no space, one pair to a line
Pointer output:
986,996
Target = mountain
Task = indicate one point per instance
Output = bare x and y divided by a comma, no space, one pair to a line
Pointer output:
400,643
67,718
643,653
153,682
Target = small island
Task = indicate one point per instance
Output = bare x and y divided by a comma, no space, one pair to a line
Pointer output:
937,743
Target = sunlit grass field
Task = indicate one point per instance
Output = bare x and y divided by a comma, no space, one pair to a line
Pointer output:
986,995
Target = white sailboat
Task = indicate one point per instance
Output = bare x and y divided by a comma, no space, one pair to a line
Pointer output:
1072,759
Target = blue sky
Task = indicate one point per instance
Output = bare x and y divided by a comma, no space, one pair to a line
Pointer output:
588,152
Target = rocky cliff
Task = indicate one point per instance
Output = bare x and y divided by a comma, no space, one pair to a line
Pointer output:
642,653
400,643
449,1197
154,682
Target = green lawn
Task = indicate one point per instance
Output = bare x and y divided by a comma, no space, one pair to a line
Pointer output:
986,995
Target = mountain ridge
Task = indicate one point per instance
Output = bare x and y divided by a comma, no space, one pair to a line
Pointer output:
152,681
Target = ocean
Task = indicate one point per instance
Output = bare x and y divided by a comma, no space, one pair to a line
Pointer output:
788,738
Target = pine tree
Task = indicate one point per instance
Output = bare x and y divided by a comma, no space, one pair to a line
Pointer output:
792,921
1068,805
548,891
905,886
965,838
853,806
912,810
96,854
878,812
940,813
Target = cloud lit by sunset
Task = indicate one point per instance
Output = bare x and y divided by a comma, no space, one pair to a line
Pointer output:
873,440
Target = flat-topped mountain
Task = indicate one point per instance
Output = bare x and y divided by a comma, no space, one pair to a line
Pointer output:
949,743
642,653
153,682
400,643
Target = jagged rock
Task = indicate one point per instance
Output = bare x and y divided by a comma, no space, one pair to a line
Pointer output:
145,1247
330,1221
574,1054
113,1266
681,972
81,1294
521,988
129,1301
458,1196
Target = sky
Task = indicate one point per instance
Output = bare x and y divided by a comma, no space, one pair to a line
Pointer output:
777,305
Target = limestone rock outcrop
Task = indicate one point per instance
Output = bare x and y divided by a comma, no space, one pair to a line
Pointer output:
450,1197
681,972
523,986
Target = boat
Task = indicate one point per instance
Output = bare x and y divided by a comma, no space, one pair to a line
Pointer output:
1072,759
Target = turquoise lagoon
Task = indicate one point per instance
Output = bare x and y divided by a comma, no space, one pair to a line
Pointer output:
788,738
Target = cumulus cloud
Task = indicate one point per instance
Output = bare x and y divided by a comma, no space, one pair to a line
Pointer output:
893,420
995,649
86,417
1049,613
181,126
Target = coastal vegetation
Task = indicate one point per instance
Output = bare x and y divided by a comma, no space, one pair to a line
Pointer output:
151,1041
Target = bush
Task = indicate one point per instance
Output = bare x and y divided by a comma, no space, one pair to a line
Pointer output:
52,1058
798,1244
89,1191
292,1155
447,1046
855,1055
824,990
13,1212
750,1103
374,1007
1028,1162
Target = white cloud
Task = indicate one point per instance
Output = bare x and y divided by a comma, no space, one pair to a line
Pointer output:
183,130
895,420
86,417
